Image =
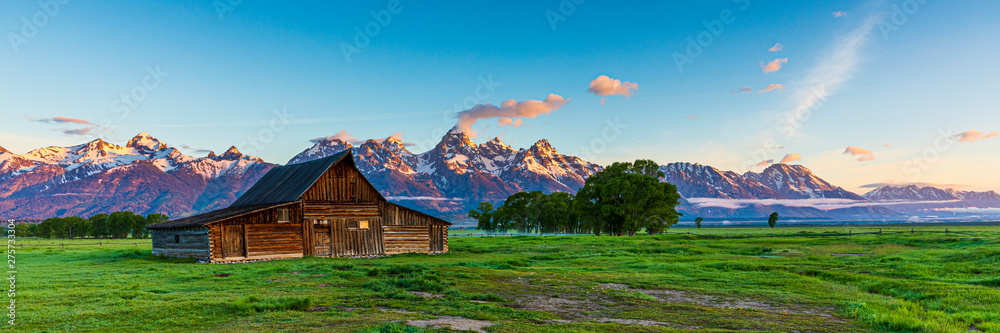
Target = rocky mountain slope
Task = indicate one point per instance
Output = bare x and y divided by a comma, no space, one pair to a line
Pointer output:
147,176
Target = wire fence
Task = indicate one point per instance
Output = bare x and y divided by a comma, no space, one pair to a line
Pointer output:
64,245
735,235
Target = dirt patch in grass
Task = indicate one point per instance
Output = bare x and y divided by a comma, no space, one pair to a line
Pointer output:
453,323
425,295
223,274
680,297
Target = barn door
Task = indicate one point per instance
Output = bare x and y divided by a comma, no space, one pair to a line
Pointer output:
232,241
321,237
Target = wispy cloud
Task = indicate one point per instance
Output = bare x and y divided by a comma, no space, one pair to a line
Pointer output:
974,135
765,162
839,13
770,87
863,154
77,132
740,90
821,204
91,128
823,79
509,109
343,135
917,184
692,117
789,158
773,66
777,47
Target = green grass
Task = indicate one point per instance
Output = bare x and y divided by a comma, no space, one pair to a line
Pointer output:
907,283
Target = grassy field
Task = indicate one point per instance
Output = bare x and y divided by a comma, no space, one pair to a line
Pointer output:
920,282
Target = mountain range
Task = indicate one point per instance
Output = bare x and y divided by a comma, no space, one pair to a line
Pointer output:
148,176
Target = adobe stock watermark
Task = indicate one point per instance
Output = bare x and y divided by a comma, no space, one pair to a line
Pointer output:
900,15
714,28
786,127
565,9
599,144
484,90
918,163
224,7
129,101
259,141
363,36
11,273
39,20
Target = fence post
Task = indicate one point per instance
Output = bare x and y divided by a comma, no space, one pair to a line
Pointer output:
911,231
880,231
63,246
136,245
945,231
101,244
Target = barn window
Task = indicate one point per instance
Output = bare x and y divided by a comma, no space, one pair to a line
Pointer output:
353,189
283,215
357,224
177,238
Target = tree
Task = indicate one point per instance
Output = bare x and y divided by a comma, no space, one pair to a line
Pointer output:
484,214
697,222
76,226
151,219
52,227
99,227
25,229
120,223
627,197
772,220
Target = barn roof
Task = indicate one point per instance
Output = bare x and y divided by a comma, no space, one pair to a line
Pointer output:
215,215
287,183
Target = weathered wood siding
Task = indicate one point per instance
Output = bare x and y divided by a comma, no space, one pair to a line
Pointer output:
407,238
435,231
263,236
181,243
342,184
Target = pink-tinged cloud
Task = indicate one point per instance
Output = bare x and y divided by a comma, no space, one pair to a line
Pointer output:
974,135
502,122
789,158
77,132
770,87
839,13
917,184
740,90
606,86
773,66
692,117
777,47
60,120
508,109
765,162
862,154
342,136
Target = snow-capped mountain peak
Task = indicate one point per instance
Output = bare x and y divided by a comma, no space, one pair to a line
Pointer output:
145,144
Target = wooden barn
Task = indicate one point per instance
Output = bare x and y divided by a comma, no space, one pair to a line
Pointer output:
324,207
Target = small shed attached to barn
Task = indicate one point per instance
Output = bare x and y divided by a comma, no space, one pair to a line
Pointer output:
324,207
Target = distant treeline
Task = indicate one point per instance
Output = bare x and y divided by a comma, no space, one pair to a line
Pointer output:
622,199
116,225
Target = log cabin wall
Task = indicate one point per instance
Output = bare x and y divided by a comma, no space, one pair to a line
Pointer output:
181,243
262,235
406,230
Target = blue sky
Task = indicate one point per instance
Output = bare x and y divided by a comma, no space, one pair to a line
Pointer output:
903,84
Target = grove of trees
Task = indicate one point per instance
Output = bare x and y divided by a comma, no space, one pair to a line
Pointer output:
622,199
116,225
